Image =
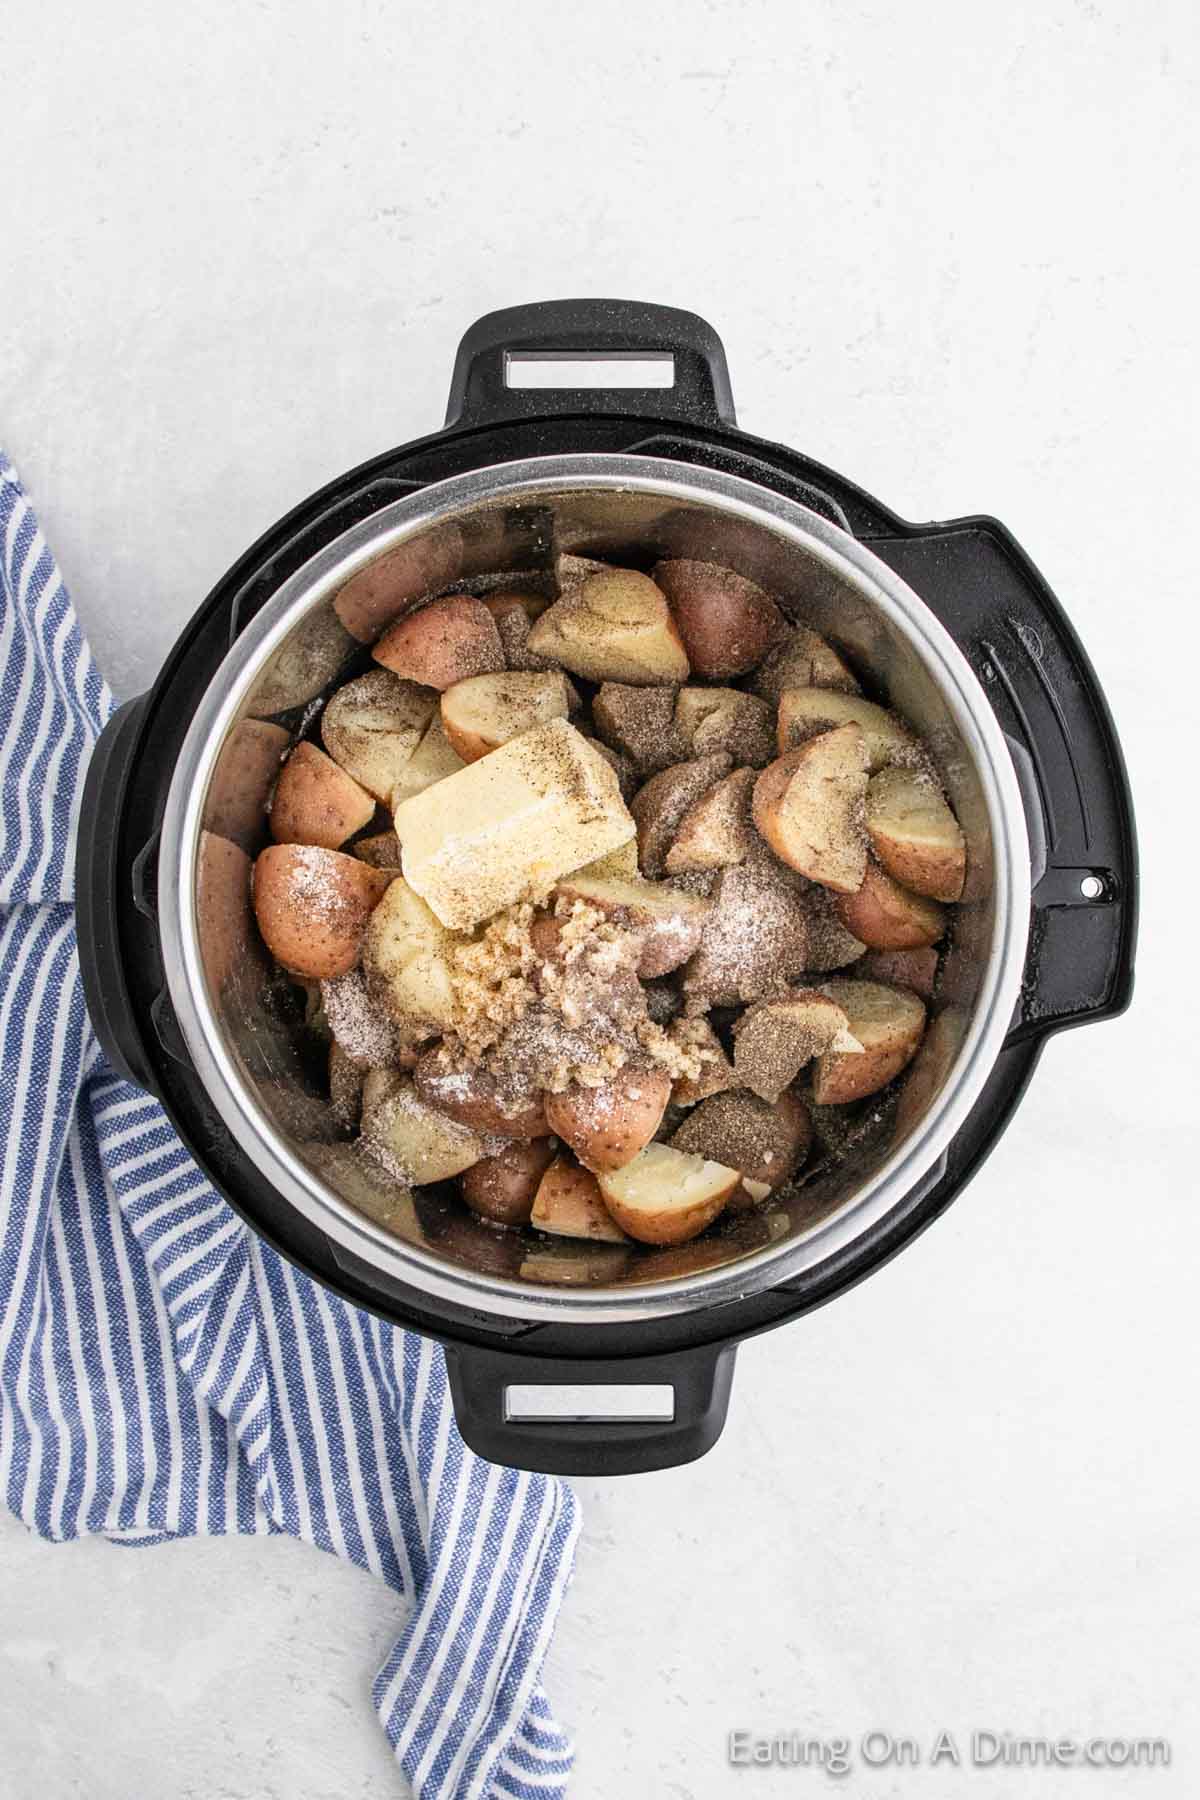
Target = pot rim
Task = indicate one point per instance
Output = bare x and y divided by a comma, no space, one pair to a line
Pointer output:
759,1269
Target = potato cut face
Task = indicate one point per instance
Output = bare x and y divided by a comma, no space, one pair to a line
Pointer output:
433,759
485,711
405,959
806,711
614,625
506,827
915,835
717,718
717,830
372,726
666,1196
803,659
568,1203
417,1143
777,1038
808,807
659,807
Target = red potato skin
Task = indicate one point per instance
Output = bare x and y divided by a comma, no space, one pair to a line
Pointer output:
377,594
840,1078
501,1188
472,1101
607,1126
316,802
669,1229
727,623
502,606
769,790
223,882
444,642
913,969
248,764
885,916
315,937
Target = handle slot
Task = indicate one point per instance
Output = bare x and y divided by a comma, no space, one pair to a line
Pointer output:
560,370
590,1404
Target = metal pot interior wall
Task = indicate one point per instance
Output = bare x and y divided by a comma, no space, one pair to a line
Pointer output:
260,1016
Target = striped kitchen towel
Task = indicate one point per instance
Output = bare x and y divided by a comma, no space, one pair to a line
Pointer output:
162,1372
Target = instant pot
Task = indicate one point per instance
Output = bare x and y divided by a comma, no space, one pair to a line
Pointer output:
579,1358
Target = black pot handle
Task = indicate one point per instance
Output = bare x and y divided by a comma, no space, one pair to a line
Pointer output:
486,389
103,892
1045,693
621,1417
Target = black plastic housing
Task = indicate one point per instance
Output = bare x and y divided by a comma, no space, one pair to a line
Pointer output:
972,574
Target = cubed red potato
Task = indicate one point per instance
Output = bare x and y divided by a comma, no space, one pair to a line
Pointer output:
313,906
446,641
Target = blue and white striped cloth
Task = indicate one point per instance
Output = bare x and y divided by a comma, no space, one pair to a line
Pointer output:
162,1372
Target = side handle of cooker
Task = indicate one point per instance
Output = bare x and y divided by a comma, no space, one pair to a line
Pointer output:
1045,693
505,365
102,889
624,1416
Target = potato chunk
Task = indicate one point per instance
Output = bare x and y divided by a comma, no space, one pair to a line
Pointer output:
726,621
915,835
721,718
659,807
485,711
316,802
443,642
405,959
607,1126
775,1039
802,659
803,712
312,906
888,1023
808,807
372,726
614,625
665,1196
716,831
885,916
765,1142
569,1204
419,1144
670,921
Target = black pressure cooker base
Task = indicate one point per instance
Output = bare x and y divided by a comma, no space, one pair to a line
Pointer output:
974,577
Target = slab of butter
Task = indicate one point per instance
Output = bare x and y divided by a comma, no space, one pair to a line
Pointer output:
506,827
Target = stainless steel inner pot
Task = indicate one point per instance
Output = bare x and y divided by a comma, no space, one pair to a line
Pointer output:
515,517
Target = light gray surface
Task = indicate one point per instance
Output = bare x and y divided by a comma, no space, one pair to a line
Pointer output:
951,252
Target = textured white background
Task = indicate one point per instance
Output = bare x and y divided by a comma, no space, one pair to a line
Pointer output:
951,250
